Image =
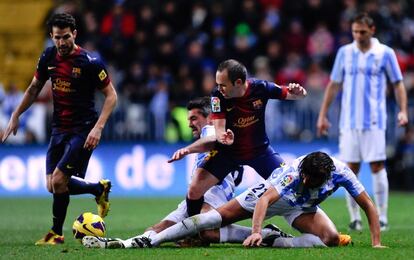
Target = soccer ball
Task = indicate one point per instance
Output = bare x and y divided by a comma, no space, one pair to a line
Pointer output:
88,224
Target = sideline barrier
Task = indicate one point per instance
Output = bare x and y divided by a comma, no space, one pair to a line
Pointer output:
136,170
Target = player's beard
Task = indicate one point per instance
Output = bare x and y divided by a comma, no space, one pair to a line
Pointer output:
65,50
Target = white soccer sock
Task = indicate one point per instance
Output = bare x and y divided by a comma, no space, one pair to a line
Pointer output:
353,207
237,234
380,188
188,227
305,240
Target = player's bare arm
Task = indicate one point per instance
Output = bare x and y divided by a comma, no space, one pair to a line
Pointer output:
29,97
368,206
401,97
94,136
295,91
201,145
323,123
223,136
268,198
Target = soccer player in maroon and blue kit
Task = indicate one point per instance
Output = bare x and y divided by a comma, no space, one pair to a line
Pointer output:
238,107
76,127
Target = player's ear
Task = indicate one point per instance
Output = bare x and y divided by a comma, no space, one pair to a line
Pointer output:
75,32
238,82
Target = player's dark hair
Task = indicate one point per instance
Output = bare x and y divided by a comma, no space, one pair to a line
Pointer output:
318,165
363,18
62,21
202,103
235,70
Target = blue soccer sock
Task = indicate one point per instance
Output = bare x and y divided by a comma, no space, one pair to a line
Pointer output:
80,186
60,206
194,206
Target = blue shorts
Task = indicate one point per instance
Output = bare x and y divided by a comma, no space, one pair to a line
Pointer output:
219,163
66,152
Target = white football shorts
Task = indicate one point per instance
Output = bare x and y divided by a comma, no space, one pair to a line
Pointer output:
215,197
362,145
248,200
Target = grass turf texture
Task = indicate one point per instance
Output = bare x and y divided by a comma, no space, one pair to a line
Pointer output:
23,221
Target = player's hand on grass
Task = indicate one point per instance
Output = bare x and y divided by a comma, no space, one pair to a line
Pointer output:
93,139
226,138
11,127
322,126
402,118
253,240
179,154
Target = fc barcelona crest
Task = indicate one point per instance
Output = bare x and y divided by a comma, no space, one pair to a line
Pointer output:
257,104
76,72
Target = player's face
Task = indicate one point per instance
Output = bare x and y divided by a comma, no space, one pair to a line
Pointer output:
226,88
314,181
196,121
64,40
362,33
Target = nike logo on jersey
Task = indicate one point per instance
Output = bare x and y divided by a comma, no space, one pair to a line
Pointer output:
229,109
69,166
51,67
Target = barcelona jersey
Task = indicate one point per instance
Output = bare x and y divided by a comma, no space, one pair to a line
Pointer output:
245,117
74,81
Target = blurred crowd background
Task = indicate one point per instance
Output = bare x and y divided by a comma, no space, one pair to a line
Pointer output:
162,53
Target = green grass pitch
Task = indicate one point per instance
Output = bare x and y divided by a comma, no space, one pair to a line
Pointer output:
24,220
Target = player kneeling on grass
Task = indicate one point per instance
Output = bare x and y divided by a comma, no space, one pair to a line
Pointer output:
294,192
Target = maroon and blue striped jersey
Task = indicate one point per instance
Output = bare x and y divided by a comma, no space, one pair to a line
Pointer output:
245,116
74,81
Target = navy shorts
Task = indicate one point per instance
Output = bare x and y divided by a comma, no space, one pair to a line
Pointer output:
66,152
219,163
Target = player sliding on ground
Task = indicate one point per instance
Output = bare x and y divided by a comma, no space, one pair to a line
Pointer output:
294,192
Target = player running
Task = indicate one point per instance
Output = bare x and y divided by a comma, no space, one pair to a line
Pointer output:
76,127
294,192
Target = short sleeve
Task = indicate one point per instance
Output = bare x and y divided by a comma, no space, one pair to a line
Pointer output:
99,74
218,105
275,91
41,70
337,73
391,66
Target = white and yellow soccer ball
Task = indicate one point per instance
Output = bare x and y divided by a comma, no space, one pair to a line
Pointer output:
88,224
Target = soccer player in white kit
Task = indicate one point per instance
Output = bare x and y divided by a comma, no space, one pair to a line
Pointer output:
293,191
362,69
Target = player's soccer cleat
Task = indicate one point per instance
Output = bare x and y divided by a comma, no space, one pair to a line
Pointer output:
102,242
355,225
278,229
345,240
103,199
274,234
384,226
51,238
141,242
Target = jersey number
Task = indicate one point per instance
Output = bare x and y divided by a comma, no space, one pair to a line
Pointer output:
259,190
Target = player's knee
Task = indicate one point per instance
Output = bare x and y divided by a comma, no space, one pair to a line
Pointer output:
330,239
58,185
194,193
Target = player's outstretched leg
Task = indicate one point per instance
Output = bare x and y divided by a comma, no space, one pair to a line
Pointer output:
103,199
102,242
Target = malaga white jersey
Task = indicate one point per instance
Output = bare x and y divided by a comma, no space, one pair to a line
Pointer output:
287,181
364,78
227,185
